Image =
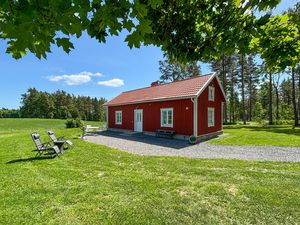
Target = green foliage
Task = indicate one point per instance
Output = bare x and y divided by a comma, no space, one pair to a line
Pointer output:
94,184
74,123
10,113
187,30
61,105
174,71
283,122
192,139
259,113
278,42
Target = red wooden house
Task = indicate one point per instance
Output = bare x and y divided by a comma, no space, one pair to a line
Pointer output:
191,107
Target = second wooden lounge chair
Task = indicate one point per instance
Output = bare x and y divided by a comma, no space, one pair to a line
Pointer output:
59,141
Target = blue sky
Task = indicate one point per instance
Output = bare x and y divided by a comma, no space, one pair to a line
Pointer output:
92,69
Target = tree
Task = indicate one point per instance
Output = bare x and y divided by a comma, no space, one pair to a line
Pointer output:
252,81
60,105
30,103
295,107
242,78
270,99
173,71
213,27
219,66
279,46
276,88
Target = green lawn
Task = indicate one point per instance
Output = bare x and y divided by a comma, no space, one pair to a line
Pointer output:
257,135
94,184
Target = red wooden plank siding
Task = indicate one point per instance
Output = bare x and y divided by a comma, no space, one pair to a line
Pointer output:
203,104
182,116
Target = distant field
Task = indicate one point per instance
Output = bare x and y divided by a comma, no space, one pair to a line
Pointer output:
35,124
258,135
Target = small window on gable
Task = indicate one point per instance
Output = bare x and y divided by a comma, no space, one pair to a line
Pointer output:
210,117
166,117
211,93
119,117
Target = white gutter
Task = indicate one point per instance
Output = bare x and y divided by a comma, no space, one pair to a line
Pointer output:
195,116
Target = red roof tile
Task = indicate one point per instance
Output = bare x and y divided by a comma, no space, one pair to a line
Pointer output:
178,89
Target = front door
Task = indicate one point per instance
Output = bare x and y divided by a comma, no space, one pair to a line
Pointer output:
138,120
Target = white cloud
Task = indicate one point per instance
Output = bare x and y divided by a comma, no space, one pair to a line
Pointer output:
74,79
112,83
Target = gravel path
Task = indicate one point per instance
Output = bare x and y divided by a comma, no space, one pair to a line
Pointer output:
148,145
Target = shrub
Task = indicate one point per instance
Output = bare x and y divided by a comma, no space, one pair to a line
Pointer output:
74,123
193,139
283,122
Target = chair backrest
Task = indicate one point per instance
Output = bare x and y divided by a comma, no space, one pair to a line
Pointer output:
51,135
37,141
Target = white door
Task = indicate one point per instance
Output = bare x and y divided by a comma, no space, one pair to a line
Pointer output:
138,120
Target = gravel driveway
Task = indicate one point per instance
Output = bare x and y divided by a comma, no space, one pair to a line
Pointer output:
153,146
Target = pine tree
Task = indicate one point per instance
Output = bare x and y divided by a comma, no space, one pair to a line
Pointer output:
174,71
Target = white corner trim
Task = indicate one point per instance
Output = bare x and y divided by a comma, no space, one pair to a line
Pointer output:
195,116
222,114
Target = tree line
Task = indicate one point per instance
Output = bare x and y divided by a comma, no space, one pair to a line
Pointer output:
255,94
57,105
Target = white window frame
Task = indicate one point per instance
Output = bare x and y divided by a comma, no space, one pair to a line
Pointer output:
211,93
116,117
161,117
211,110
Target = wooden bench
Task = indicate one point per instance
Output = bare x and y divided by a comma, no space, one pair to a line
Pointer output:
165,133
90,129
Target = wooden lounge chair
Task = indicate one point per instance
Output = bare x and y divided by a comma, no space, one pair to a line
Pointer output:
59,141
45,147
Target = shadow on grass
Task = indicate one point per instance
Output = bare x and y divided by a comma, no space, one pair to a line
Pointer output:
44,157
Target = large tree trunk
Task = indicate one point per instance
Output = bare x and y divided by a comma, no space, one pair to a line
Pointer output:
243,88
250,97
224,83
298,92
231,116
296,119
277,103
270,101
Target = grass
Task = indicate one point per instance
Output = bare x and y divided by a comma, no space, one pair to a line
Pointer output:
258,135
94,184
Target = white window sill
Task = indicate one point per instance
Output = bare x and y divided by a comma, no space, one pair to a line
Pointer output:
170,126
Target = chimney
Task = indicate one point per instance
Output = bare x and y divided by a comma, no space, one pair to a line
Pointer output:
155,83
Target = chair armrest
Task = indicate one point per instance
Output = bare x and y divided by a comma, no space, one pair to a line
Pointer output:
47,144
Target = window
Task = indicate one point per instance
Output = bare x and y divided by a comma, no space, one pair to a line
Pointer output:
211,93
166,117
119,117
211,117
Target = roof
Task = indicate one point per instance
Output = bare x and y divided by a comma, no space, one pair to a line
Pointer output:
175,90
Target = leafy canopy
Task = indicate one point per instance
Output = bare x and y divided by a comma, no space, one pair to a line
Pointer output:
189,30
278,41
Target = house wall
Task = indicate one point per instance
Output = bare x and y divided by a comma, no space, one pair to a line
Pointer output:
182,116
203,104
